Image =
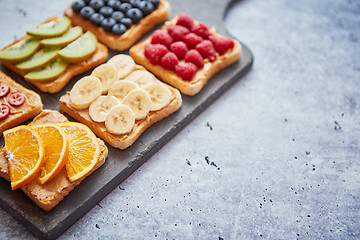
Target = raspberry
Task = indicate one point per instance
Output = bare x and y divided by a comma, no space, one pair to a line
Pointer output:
207,50
154,52
186,71
169,61
221,44
179,48
202,30
194,57
162,37
185,20
192,40
178,32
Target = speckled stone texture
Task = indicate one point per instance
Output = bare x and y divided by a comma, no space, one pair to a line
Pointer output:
276,157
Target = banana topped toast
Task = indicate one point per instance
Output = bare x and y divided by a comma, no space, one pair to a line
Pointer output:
120,100
17,104
52,53
118,24
186,53
48,183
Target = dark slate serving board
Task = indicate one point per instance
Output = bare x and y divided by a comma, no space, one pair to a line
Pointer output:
121,163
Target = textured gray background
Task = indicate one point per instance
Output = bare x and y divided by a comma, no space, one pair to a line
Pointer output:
282,144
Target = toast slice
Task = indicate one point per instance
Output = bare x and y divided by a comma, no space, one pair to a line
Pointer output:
30,108
126,40
48,195
201,77
122,141
99,56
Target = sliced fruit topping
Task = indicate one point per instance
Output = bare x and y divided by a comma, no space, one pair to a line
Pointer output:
68,37
107,74
192,40
186,71
179,48
120,120
123,63
139,101
80,49
154,52
185,20
162,37
40,58
4,89
194,57
48,72
51,29
84,92
202,30
221,44
121,88
25,154
142,78
16,99
84,150
20,50
99,109
56,150
178,32
160,96
207,50
4,111
169,61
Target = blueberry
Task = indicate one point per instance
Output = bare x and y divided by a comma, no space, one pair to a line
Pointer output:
78,5
146,7
114,4
119,29
125,1
135,14
86,12
106,11
135,3
117,16
96,4
124,7
87,2
107,24
155,3
127,22
96,19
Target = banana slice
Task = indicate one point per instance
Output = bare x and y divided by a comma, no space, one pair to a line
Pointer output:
121,88
107,74
124,64
120,119
142,78
99,108
139,101
160,96
84,92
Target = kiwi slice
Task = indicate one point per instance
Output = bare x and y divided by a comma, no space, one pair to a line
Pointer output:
68,37
48,72
40,58
20,50
52,28
80,49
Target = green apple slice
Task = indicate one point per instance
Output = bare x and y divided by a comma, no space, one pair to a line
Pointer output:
40,58
52,28
48,72
20,50
68,37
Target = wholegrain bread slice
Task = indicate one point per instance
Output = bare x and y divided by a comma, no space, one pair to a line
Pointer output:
48,195
126,40
30,108
201,77
99,56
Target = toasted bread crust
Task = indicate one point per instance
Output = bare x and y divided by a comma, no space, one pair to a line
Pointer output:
30,108
99,56
201,77
48,195
126,40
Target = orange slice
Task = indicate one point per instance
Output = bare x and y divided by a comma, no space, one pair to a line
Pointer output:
25,153
56,149
84,150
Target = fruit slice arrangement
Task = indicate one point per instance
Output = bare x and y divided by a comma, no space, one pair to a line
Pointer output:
185,50
48,50
118,97
41,151
117,23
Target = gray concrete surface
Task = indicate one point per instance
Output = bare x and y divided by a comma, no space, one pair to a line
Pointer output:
276,157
